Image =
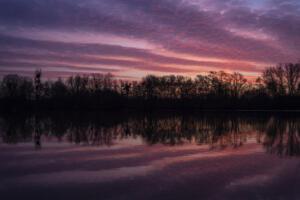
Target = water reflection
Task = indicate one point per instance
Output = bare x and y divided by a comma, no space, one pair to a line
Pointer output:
278,133
282,136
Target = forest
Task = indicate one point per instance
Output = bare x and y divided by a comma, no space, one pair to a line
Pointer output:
278,88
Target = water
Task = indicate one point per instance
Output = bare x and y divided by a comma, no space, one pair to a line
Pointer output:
155,156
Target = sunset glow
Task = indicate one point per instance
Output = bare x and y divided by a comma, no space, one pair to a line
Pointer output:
133,38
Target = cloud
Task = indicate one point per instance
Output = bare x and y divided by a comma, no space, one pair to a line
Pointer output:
261,32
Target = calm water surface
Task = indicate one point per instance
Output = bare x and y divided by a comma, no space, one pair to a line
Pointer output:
158,156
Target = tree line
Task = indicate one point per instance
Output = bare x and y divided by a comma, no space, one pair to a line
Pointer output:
278,87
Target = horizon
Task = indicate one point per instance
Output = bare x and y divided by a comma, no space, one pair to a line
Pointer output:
134,38
149,99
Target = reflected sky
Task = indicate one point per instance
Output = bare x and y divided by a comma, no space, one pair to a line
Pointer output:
207,156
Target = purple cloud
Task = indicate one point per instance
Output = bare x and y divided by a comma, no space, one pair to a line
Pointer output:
240,35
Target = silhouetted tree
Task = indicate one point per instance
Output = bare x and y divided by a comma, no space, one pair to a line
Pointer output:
278,87
59,89
16,87
282,79
38,84
237,84
292,75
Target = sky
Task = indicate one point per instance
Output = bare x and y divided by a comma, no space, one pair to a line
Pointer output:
133,38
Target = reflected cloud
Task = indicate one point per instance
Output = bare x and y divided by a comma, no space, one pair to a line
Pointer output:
79,177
